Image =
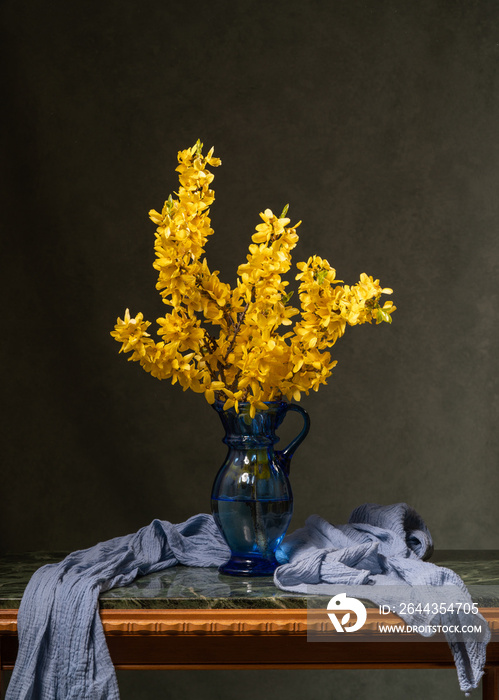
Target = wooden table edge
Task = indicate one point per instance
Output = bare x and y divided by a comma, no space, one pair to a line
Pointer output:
222,621
126,625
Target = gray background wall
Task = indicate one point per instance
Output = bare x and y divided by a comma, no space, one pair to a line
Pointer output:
378,123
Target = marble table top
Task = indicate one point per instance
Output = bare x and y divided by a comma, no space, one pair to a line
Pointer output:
182,587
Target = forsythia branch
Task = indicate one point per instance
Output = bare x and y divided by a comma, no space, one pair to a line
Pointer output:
251,359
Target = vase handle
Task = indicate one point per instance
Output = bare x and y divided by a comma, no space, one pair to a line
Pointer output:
286,454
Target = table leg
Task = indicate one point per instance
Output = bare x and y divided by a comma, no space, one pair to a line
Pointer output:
490,683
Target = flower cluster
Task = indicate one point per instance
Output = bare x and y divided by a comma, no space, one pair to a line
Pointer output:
241,345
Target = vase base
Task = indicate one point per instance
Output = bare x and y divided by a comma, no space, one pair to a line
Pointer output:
246,566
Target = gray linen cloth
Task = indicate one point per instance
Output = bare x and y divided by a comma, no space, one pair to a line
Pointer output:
63,653
380,556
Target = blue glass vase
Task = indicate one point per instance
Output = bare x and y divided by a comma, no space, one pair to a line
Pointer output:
251,500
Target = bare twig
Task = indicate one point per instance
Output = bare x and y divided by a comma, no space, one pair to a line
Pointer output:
236,331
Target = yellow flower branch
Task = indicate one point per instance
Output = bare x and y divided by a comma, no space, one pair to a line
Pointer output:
250,360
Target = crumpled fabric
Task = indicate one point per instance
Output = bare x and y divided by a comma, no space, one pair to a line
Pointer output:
380,556
63,653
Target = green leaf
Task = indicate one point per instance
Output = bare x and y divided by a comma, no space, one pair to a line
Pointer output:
284,211
287,297
383,316
321,276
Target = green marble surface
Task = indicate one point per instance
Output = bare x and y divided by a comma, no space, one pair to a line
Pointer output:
190,587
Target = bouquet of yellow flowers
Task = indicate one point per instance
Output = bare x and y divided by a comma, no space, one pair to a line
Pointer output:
232,344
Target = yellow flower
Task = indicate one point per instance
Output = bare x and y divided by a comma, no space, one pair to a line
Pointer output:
131,332
228,343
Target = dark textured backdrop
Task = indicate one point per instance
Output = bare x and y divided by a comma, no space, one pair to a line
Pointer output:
378,123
